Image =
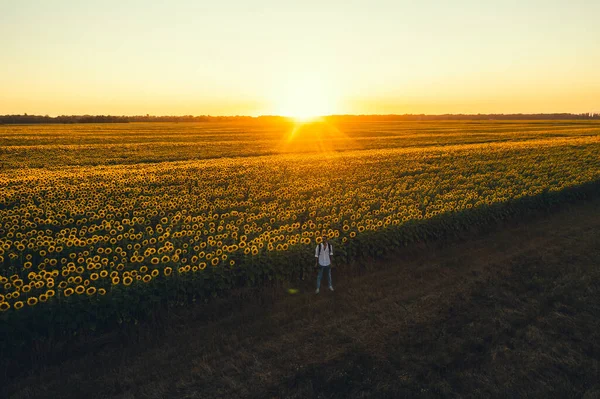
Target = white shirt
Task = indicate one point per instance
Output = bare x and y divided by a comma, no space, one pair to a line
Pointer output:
324,257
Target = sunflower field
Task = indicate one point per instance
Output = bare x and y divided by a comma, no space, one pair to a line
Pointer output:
85,245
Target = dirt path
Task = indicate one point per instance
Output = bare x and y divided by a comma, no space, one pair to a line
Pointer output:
511,313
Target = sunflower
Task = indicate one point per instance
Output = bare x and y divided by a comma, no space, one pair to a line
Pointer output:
168,271
127,281
90,291
154,272
101,291
80,289
147,278
4,306
115,280
69,291
32,301
19,305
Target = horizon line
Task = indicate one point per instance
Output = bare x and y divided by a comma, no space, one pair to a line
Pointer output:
588,113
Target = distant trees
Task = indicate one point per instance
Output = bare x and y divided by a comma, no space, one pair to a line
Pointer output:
423,117
28,119
32,119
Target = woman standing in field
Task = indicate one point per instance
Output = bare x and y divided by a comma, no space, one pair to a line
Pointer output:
323,254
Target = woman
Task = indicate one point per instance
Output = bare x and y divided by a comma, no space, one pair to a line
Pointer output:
323,255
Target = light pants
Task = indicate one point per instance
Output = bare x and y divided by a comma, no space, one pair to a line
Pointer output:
320,275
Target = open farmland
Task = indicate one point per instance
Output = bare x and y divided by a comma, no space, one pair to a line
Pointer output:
57,146
99,224
103,225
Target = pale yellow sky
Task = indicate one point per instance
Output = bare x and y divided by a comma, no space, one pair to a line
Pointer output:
232,57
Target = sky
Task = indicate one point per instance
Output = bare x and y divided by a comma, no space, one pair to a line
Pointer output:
267,57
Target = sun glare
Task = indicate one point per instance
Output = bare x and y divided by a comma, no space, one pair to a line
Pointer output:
306,101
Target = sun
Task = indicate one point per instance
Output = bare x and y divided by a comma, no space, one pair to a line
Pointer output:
306,100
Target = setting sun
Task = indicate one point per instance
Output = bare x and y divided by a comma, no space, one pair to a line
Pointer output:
306,100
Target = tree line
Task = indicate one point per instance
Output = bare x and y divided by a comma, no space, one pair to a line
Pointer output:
33,119
424,117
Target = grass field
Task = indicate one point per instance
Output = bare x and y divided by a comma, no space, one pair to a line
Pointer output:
106,225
